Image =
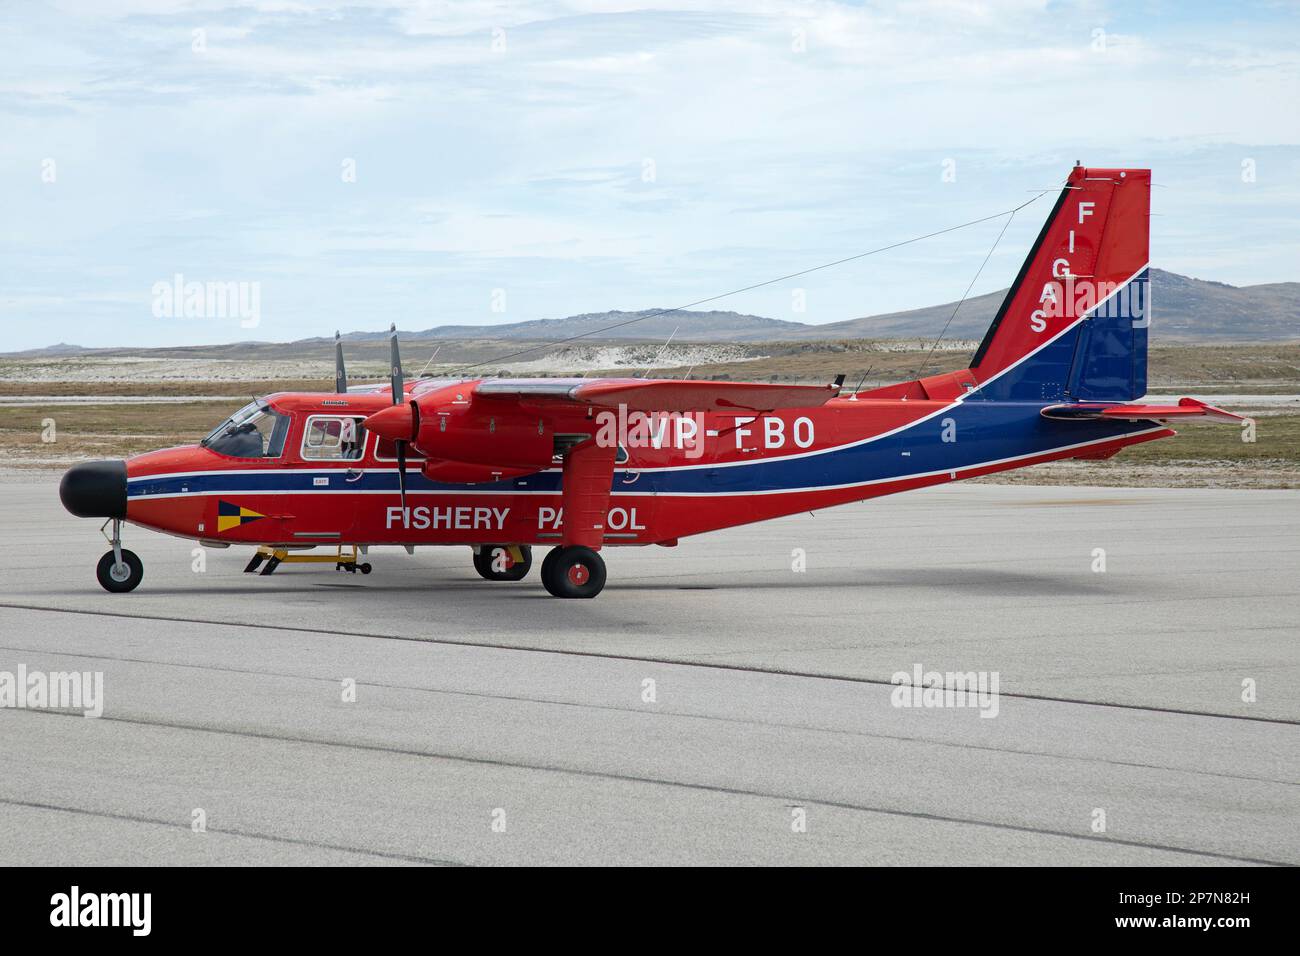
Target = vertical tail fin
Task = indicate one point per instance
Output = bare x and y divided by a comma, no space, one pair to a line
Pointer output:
1074,324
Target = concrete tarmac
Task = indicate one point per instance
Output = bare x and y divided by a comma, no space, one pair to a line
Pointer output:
714,705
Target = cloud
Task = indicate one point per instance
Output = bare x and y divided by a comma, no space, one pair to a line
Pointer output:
592,155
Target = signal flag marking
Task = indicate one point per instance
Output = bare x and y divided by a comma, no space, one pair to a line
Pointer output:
230,515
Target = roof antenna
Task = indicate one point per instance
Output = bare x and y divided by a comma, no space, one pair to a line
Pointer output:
858,387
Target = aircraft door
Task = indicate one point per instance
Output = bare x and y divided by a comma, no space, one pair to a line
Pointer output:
333,456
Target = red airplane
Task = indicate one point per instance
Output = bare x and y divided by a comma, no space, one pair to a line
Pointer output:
581,464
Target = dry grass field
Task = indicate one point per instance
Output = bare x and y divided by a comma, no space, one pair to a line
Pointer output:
127,408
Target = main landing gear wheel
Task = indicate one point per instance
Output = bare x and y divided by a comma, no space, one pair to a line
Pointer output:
494,554
120,578
547,562
573,572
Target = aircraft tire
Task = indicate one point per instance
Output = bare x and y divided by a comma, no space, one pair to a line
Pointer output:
573,572
516,572
547,562
117,580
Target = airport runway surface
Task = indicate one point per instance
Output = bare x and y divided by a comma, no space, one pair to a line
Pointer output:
700,709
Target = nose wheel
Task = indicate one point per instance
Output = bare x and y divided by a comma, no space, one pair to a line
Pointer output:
119,576
573,572
119,570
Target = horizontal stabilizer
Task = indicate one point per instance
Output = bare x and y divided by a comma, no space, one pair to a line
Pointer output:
1187,408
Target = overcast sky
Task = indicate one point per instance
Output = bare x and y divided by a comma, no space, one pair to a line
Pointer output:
487,162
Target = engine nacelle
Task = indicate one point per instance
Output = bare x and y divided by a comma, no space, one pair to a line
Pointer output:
508,439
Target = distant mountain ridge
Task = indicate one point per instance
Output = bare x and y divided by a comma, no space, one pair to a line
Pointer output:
1184,310
717,326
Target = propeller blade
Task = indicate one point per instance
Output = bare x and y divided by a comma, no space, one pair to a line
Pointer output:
410,419
340,373
396,363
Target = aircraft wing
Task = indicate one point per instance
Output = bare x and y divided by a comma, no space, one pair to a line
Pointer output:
1187,408
660,395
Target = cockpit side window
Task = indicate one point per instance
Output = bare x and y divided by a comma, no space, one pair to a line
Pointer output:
280,432
255,431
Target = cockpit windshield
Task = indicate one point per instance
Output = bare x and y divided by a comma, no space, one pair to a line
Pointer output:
255,431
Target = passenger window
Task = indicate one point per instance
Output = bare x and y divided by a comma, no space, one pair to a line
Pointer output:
333,438
386,450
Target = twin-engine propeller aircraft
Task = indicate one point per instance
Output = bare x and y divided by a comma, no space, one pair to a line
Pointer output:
502,465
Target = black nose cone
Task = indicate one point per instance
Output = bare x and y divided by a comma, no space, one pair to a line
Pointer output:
95,489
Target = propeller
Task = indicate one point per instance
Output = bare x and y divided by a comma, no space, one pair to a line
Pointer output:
399,423
399,396
340,373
